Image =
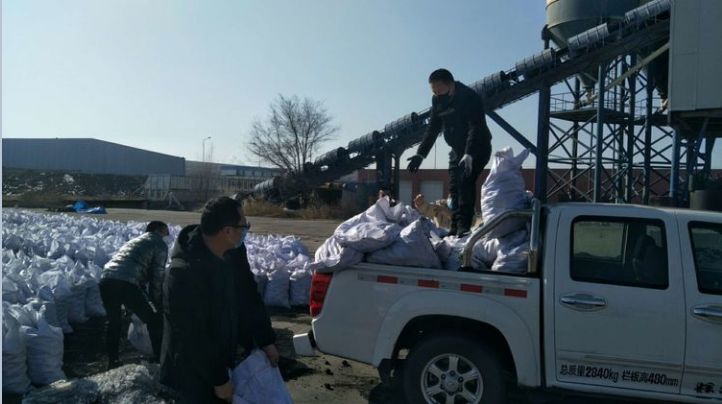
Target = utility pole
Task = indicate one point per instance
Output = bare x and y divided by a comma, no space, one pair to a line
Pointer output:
205,172
203,158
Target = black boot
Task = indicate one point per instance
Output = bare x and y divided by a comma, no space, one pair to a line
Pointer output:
464,227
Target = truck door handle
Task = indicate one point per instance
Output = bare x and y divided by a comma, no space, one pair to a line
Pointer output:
707,313
584,302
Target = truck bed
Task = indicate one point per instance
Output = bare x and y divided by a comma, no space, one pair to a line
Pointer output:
372,303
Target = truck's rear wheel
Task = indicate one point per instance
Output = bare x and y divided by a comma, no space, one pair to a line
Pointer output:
450,369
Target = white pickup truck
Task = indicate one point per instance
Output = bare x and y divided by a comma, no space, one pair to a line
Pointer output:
617,300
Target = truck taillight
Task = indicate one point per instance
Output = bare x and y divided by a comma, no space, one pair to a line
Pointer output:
319,286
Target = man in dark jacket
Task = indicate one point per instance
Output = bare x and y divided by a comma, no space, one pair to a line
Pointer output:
135,273
459,110
211,306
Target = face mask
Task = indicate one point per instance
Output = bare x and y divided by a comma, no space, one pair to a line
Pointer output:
449,204
241,240
168,240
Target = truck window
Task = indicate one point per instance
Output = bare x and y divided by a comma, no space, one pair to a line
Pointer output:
707,248
627,252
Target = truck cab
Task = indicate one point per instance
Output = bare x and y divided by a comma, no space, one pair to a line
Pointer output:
632,302
617,300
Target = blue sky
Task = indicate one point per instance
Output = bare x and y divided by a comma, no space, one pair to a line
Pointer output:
163,75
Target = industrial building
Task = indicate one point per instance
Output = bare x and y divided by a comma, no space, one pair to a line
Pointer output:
169,180
202,181
91,156
199,168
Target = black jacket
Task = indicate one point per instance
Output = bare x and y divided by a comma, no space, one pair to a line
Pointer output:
464,124
211,306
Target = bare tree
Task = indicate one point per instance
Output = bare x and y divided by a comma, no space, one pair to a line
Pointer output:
292,133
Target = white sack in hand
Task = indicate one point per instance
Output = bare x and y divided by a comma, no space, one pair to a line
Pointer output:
139,337
255,381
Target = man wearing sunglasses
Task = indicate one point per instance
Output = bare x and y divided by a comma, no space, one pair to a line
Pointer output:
459,110
212,306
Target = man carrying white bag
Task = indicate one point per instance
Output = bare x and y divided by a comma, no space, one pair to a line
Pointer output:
256,381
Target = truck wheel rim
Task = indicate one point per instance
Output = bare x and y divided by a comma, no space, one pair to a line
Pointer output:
451,379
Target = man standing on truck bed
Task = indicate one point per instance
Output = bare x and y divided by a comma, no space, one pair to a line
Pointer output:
461,112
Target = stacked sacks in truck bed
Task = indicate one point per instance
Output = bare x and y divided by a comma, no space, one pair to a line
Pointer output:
506,248
398,235
382,234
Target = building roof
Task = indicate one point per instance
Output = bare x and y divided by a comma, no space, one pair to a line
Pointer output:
84,139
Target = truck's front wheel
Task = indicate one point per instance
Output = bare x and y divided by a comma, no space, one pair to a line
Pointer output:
454,369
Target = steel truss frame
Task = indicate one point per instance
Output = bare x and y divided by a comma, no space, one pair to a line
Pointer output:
612,142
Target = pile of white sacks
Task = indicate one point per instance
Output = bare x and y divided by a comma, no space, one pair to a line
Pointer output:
398,235
280,266
51,266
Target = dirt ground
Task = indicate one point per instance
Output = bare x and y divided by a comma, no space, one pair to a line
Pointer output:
320,379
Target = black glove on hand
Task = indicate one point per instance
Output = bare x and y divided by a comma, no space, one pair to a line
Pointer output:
414,163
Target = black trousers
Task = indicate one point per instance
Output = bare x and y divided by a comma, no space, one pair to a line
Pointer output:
196,393
116,293
463,188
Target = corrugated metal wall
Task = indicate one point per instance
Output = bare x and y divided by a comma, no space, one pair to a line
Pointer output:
88,156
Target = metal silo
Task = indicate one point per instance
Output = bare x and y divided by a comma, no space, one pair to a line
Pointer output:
568,18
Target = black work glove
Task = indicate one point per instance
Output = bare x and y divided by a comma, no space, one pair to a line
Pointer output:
414,162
